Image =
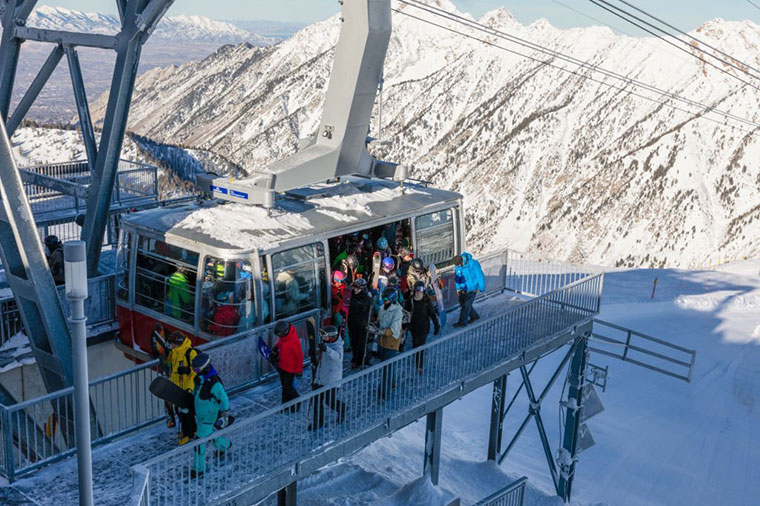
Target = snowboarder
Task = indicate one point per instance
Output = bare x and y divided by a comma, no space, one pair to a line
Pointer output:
55,258
212,410
289,359
469,279
389,321
358,315
329,371
181,357
422,313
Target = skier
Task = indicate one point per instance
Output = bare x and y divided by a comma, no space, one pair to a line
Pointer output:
181,357
422,313
225,317
358,317
329,371
469,279
389,328
178,296
289,359
340,300
289,289
405,258
416,273
383,248
55,258
386,271
212,410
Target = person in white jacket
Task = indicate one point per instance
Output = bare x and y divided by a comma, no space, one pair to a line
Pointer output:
329,372
389,321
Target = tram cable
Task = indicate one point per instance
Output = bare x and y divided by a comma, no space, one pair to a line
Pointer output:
704,109
629,17
700,42
753,4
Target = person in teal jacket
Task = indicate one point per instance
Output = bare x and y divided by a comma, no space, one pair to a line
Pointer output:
469,278
212,410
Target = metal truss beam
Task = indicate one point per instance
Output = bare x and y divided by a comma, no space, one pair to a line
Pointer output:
34,89
95,40
129,47
55,184
433,433
29,276
573,417
80,95
534,412
498,401
288,496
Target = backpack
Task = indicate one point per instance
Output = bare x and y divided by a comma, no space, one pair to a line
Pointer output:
205,393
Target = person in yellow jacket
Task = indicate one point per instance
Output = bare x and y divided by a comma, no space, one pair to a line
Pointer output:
181,373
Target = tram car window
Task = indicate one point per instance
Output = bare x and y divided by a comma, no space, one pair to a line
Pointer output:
299,280
436,238
226,297
123,258
165,278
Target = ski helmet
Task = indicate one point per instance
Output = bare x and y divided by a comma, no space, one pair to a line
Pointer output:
201,362
281,328
360,283
389,295
352,248
52,242
388,263
329,334
382,243
418,264
176,338
393,280
339,277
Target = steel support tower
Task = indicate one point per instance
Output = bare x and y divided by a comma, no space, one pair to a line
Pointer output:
20,247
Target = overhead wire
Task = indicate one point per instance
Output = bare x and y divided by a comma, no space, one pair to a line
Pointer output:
753,4
695,39
705,109
627,16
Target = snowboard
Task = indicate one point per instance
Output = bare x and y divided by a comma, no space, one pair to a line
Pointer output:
314,354
366,359
435,280
377,260
264,350
164,389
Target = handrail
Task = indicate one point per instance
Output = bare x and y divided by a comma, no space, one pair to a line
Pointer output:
623,348
511,495
485,344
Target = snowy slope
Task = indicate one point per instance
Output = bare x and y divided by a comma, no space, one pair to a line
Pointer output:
177,28
534,150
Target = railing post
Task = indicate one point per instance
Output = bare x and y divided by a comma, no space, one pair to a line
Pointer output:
433,445
497,417
10,465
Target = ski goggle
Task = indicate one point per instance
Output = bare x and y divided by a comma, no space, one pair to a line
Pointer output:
419,289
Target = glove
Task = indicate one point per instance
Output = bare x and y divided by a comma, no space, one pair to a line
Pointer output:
223,420
322,347
183,370
184,411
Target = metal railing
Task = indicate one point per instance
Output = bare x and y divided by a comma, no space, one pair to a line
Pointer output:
100,307
531,275
279,438
513,495
643,350
39,431
135,181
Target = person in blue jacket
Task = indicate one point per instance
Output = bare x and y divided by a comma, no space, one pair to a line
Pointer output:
469,279
212,410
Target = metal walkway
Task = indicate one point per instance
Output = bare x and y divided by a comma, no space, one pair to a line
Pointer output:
274,449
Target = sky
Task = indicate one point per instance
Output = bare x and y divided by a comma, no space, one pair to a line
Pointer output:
687,14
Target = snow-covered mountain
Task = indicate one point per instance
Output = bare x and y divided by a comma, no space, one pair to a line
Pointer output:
548,160
177,28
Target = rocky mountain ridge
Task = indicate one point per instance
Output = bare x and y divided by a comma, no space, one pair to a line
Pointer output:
547,160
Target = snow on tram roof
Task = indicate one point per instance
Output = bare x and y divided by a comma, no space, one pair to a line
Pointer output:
312,210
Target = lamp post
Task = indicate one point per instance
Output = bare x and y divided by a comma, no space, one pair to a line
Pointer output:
75,271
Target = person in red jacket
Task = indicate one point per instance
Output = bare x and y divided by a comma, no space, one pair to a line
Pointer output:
226,319
289,361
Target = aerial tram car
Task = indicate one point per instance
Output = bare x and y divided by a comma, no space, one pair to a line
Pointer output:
262,248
